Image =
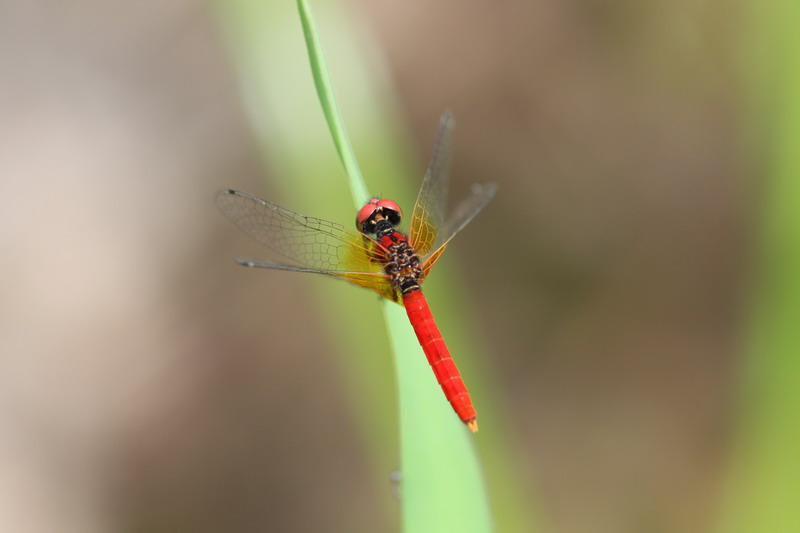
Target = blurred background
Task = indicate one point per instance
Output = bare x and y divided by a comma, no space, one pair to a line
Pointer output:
147,383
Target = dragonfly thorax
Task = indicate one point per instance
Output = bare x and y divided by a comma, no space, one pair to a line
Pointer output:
402,263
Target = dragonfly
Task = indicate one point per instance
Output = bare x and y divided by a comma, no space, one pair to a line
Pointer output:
376,255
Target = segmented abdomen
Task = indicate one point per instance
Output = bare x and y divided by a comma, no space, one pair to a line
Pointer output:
438,355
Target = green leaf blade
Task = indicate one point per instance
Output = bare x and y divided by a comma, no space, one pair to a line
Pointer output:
327,100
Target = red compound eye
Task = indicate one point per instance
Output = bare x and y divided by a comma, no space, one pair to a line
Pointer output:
365,212
388,204
389,208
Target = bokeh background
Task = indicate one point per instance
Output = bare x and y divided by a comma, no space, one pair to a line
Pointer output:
147,383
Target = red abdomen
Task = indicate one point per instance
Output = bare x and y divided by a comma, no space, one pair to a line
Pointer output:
438,355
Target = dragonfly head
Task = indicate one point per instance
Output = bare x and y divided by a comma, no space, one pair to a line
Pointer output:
375,211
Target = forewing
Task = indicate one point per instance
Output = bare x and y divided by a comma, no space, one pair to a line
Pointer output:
316,244
479,196
428,214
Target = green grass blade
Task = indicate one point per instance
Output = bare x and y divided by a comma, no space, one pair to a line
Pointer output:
327,99
764,494
442,487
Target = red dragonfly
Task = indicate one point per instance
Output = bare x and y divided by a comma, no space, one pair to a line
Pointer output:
377,256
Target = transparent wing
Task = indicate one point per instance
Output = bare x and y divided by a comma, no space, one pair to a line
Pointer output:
428,214
479,196
377,282
314,244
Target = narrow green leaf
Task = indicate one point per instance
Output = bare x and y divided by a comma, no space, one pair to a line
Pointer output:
441,486
765,474
327,99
